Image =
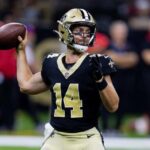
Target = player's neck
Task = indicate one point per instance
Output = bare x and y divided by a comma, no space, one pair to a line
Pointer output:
72,57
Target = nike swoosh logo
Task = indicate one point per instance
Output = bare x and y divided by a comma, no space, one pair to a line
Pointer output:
90,135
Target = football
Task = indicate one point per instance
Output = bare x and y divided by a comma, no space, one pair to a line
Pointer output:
9,35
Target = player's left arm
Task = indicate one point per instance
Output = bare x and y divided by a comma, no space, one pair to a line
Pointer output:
109,95
104,83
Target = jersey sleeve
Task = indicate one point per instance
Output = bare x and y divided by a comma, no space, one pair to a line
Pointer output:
108,65
44,71
48,64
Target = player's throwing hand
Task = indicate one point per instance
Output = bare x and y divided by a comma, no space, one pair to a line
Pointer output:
22,43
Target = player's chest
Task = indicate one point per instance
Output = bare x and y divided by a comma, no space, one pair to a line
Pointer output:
78,72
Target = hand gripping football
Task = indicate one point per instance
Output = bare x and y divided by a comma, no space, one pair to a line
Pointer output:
9,35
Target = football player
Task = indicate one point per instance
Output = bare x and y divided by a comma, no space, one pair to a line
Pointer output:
79,84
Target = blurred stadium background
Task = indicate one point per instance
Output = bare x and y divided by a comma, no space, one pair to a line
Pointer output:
123,32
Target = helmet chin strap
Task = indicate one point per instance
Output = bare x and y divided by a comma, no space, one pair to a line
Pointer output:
80,48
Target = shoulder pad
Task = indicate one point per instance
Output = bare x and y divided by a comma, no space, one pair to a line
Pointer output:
52,55
105,60
94,55
108,61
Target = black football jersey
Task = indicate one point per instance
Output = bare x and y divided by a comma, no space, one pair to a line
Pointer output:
75,97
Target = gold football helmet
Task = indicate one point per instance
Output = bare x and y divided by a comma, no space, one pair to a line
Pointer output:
75,17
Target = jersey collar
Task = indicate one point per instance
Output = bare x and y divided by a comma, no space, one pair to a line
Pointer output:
68,72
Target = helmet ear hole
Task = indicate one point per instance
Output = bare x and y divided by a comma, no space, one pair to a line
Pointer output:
62,32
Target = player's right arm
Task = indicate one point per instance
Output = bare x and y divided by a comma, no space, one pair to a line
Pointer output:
29,83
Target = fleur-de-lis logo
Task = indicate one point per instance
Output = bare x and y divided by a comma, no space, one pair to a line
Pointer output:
111,63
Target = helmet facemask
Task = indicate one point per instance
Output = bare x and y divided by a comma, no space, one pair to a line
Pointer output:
71,19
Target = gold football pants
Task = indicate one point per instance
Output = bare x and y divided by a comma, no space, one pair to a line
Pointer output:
87,140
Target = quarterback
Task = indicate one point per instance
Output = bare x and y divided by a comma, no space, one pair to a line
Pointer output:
79,83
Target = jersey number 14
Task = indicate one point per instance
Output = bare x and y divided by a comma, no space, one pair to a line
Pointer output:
71,100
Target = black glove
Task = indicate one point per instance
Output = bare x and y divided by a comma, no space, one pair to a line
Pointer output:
97,72
96,67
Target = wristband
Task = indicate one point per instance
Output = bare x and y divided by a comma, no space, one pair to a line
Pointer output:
102,85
